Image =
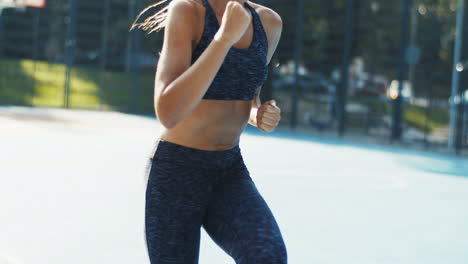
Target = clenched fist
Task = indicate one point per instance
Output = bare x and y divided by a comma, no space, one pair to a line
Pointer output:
236,20
268,116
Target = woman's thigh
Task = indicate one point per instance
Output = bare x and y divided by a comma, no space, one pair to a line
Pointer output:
239,220
176,201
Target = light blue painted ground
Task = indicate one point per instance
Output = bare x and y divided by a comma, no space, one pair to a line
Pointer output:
72,191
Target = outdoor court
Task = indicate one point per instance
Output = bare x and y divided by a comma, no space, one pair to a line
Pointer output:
72,192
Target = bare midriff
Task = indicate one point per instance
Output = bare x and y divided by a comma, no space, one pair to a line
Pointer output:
212,125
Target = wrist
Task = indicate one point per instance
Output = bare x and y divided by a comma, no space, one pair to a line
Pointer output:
220,40
253,117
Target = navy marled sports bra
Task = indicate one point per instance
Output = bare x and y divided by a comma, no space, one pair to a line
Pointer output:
243,70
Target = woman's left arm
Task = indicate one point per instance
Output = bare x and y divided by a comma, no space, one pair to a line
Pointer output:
266,116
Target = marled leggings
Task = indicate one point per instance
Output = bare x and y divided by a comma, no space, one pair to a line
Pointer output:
189,188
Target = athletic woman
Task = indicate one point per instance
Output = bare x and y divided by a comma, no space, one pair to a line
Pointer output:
213,62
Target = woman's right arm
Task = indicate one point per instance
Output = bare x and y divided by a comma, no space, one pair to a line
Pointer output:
179,87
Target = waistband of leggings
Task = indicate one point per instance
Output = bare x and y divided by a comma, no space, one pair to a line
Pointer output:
188,156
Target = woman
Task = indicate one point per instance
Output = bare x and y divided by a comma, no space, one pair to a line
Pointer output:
206,91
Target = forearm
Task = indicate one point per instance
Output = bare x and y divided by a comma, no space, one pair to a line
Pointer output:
182,95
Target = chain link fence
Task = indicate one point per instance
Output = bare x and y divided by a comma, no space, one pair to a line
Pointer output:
371,69
374,70
76,54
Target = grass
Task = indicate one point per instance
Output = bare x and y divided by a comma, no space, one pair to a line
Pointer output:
42,83
416,117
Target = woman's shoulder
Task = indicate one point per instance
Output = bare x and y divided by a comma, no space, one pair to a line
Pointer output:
272,24
186,8
186,12
270,18
189,8
186,5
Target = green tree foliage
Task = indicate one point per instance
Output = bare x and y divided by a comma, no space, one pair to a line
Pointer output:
376,38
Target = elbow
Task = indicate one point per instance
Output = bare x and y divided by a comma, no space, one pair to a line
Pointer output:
166,118
167,122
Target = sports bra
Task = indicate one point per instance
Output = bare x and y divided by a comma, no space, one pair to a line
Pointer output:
243,70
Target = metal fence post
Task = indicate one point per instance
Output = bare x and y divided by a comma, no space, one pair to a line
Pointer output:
2,42
129,45
343,87
35,39
465,124
297,58
456,76
459,128
103,51
397,103
69,49
135,51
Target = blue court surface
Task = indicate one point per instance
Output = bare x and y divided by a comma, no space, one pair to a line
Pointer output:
72,192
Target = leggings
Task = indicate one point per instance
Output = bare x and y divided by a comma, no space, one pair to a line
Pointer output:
189,188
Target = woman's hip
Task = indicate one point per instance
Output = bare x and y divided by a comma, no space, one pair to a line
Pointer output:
179,156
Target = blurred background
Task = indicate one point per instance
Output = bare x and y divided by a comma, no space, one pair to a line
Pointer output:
392,72
369,164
